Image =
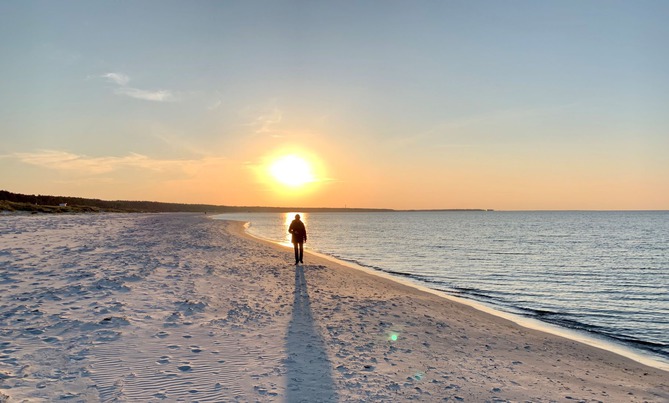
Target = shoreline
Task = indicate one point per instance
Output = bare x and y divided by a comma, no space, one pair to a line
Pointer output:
638,355
485,348
556,355
180,307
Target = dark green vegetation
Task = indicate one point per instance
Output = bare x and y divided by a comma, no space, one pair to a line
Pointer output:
63,204
38,208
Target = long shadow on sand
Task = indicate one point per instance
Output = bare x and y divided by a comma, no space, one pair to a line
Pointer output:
309,369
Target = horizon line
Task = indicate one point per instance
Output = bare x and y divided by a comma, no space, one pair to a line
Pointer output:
346,208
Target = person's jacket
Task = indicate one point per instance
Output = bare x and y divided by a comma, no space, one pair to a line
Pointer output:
298,230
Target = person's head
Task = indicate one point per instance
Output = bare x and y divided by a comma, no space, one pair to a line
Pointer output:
297,216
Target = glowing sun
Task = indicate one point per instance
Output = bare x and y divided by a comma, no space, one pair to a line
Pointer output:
292,170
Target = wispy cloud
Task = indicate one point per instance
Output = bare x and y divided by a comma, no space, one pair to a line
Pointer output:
214,105
122,81
118,78
266,123
63,160
158,96
216,102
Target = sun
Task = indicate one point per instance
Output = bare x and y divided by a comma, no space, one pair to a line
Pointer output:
291,170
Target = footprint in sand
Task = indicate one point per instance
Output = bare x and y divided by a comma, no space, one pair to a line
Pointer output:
107,335
184,368
195,349
174,347
162,334
34,331
164,360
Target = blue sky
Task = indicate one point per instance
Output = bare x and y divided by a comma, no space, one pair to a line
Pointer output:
444,104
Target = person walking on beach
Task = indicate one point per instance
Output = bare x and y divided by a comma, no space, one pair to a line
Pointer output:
299,233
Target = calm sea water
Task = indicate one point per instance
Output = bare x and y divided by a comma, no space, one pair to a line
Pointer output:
604,273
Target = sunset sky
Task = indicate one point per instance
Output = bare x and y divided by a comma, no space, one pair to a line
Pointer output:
506,105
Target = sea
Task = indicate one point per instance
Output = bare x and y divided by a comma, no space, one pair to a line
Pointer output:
602,274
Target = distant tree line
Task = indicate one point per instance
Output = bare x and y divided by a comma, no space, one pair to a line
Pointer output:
105,205
60,204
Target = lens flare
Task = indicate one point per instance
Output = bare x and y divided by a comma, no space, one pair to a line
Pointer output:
419,375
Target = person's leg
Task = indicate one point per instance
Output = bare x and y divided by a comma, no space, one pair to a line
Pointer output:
297,257
301,251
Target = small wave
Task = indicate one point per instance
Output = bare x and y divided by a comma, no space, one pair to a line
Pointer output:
564,320
398,273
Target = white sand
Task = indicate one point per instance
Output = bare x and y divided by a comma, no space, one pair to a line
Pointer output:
178,307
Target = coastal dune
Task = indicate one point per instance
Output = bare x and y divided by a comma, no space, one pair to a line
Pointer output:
169,307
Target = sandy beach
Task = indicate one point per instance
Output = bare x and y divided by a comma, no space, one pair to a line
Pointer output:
180,307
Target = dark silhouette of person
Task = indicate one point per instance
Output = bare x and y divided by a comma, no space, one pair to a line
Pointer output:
299,233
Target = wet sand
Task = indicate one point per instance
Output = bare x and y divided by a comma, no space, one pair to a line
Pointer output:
165,307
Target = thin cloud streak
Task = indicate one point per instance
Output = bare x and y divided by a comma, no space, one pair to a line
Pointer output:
268,122
214,105
118,78
157,96
65,161
122,81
